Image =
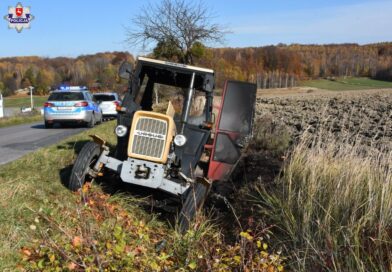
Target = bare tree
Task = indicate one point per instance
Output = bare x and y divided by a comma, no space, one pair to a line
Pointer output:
177,24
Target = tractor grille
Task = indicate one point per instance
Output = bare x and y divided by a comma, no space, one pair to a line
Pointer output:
149,137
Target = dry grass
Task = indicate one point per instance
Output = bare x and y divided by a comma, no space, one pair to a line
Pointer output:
270,135
332,206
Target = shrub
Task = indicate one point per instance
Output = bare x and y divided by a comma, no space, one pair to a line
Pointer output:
270,135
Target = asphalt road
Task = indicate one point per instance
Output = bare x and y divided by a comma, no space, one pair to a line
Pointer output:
18,140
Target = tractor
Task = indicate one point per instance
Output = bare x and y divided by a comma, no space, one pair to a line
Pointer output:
181,152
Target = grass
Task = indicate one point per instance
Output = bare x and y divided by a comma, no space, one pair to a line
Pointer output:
45,227
19,102
270,135
331,207
20,119
341,84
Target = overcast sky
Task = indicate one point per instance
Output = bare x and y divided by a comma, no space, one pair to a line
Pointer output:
71,28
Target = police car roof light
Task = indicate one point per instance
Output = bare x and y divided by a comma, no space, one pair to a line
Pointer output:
64,88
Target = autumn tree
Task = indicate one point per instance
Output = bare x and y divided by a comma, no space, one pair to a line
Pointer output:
28,78
108,77
10,81
176,27
44,81
1,87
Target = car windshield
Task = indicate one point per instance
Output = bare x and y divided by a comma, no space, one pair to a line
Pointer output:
104,97
66,96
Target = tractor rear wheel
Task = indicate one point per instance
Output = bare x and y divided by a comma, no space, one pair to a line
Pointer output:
194,201
81,170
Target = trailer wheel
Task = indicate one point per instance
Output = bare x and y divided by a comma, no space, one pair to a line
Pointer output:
84,162
194,201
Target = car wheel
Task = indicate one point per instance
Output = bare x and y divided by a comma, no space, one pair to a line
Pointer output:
194,201
91,123
48,125
81,170
101,119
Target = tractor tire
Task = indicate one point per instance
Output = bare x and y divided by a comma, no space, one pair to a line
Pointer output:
84,162
194,201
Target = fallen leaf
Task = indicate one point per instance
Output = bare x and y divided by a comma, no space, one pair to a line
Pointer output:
26,252
71,266
76,241
192,265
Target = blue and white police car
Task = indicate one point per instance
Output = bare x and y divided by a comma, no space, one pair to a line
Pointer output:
71,104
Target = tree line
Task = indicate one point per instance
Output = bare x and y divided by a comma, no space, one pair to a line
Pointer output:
98,71
268,66
284,65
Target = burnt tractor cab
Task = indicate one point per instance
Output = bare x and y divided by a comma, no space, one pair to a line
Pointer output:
180,153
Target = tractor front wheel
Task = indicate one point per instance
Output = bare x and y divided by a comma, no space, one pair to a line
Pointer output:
194,201
82,168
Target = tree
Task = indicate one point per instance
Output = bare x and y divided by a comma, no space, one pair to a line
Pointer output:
29,75
44,80
168,50
108,77
10,82
175,27
1,86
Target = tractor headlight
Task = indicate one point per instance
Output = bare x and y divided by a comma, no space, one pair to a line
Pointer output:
179,140
121,130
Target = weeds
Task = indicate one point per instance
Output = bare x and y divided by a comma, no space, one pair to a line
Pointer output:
270,135
106,235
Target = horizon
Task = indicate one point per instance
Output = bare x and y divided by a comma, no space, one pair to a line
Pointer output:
100,27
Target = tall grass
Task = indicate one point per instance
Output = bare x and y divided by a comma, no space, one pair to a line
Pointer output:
332,207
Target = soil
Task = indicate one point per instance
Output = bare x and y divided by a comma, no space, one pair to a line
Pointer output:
359,115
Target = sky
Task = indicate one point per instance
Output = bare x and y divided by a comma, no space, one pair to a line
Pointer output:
75,27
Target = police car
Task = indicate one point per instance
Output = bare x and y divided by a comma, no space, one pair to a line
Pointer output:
71,104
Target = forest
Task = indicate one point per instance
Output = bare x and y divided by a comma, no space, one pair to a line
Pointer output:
98,72
283,65
269,66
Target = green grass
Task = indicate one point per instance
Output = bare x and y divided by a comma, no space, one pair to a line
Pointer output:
24,101
20,119
45,227
341,84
